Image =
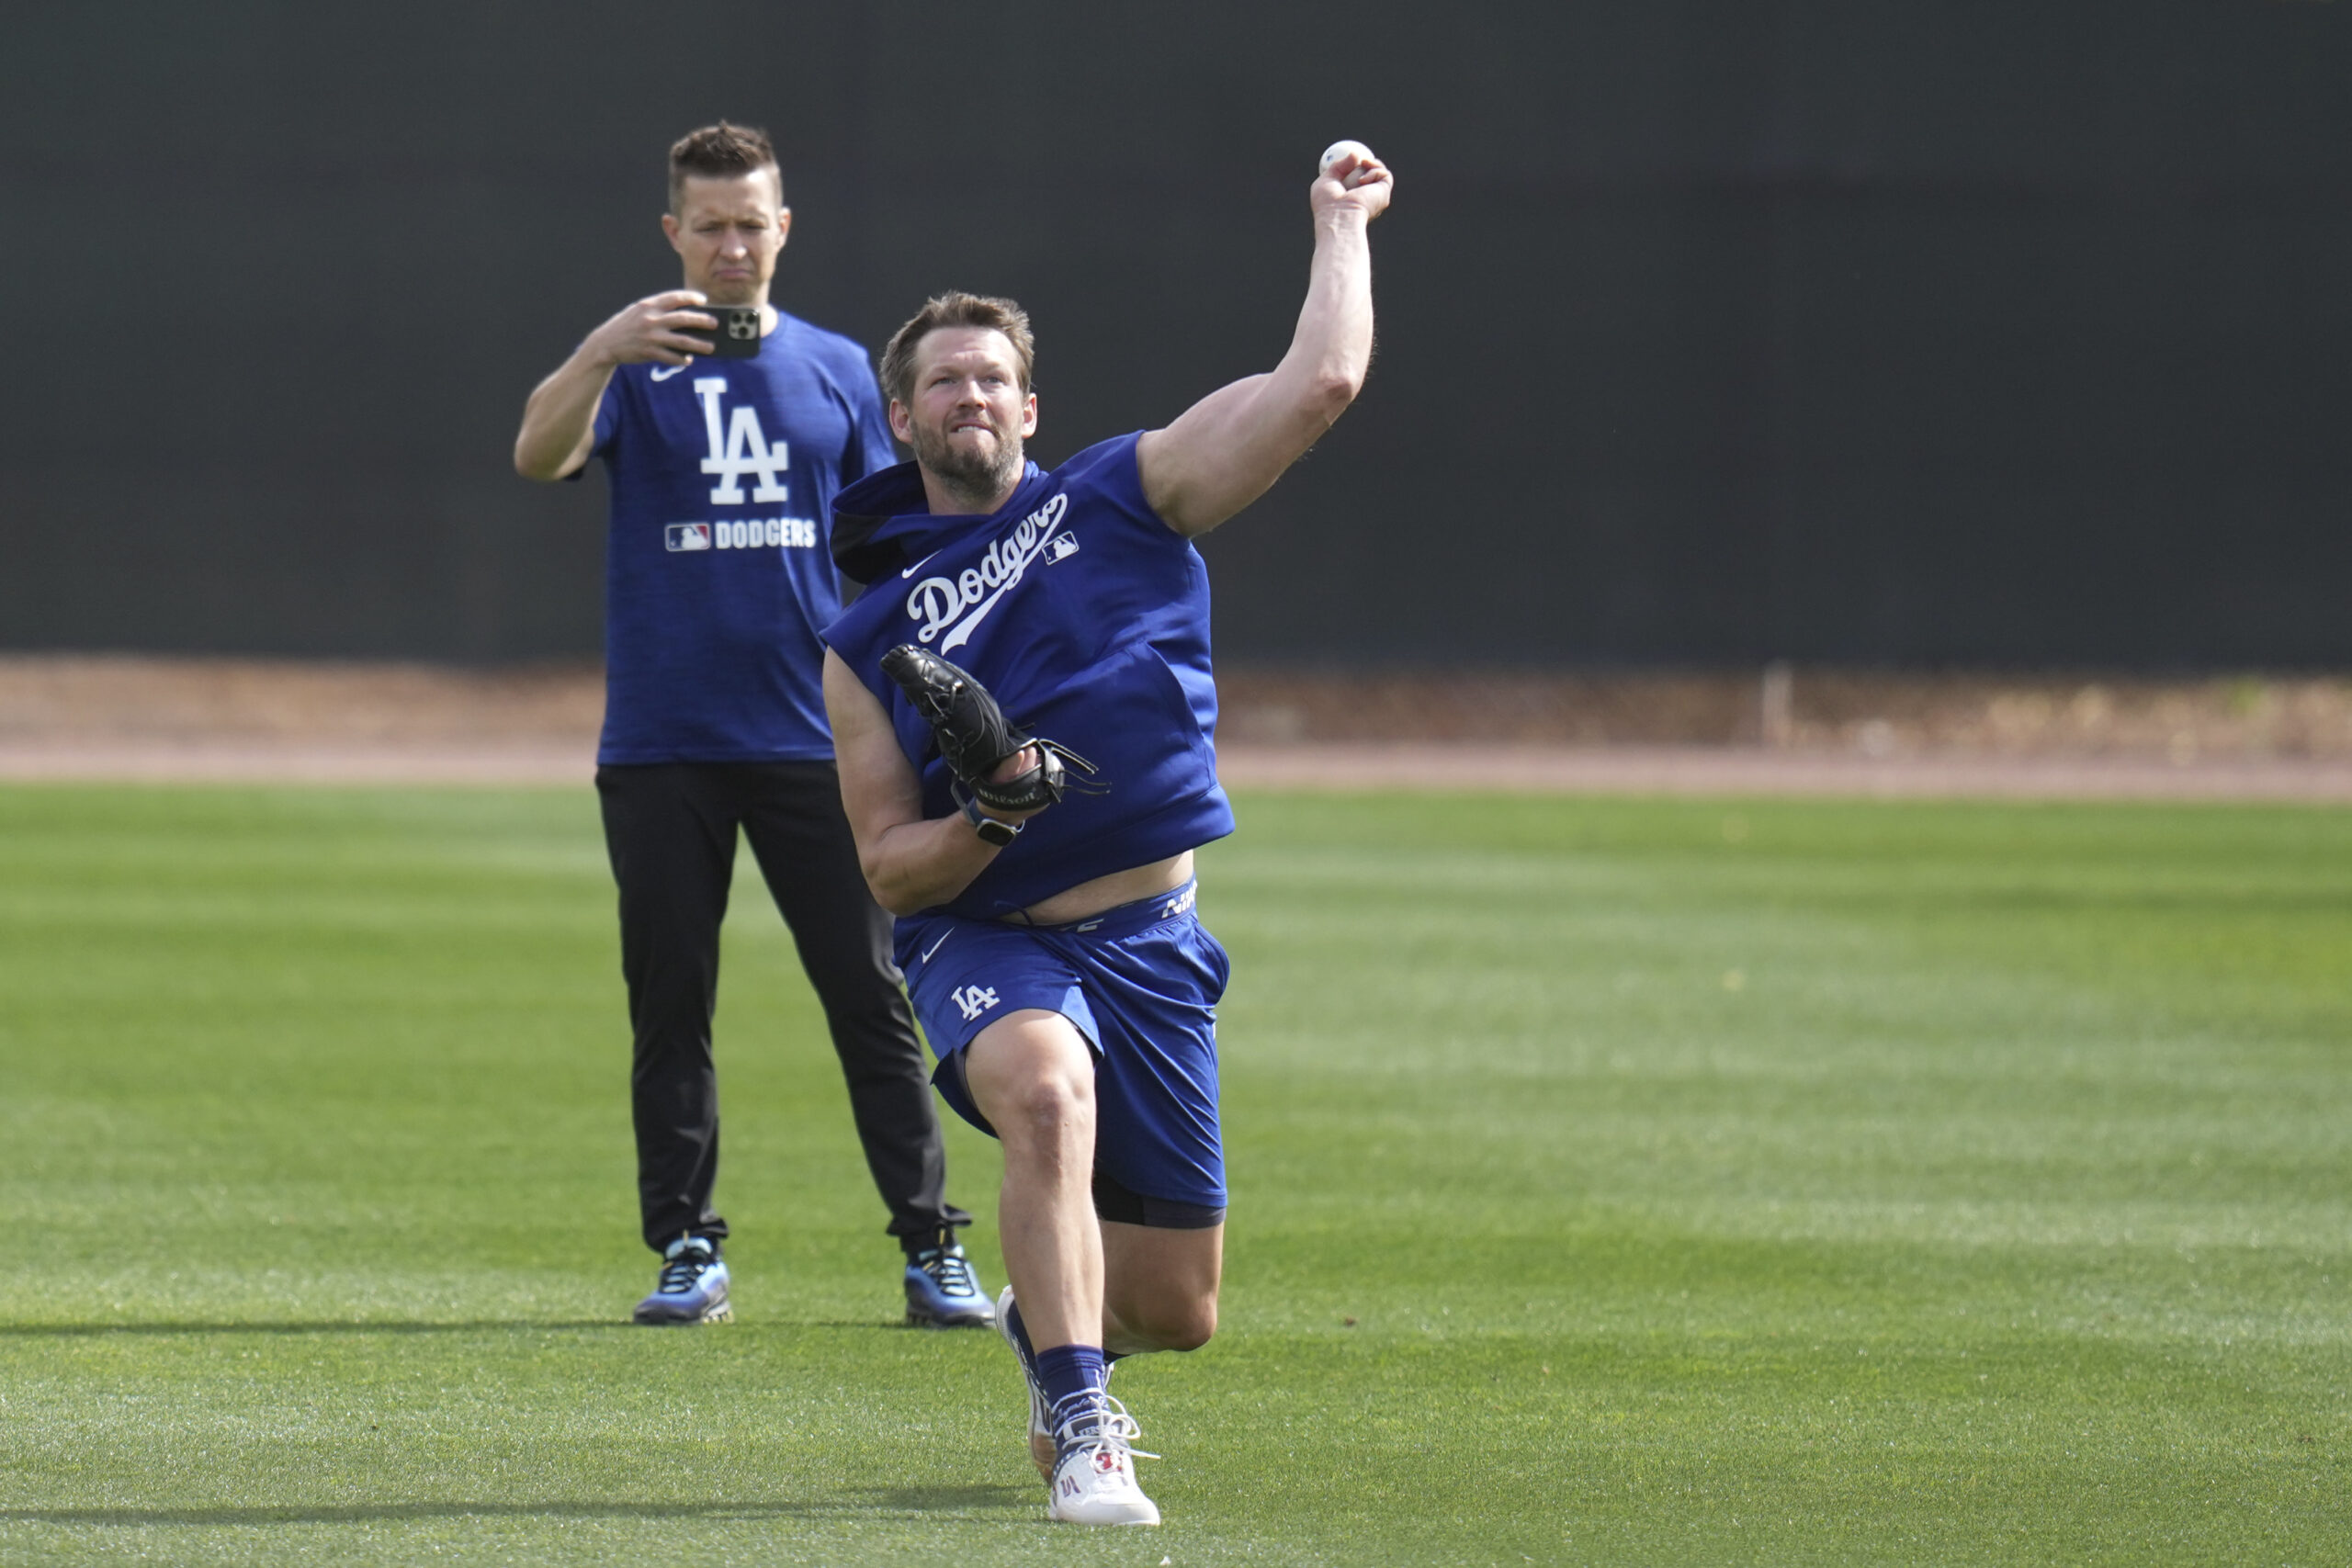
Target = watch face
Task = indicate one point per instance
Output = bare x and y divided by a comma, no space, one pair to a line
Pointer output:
989,830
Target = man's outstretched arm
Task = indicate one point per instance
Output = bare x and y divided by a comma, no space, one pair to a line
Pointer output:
559,421
1227,449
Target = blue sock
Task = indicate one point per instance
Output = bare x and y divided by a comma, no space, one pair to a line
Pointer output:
1020,1333
1070,1370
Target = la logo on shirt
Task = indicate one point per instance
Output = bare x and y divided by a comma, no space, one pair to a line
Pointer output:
737,447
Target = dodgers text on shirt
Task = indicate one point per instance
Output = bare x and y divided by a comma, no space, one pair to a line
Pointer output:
752,534
942,604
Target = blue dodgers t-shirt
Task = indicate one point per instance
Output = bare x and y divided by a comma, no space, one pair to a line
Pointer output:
1088,617
718,569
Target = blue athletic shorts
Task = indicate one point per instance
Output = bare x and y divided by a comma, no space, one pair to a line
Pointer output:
1140,981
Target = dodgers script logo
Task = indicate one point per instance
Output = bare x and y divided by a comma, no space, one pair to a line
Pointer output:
742,448
957,604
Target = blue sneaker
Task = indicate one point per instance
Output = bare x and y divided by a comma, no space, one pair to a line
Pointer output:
692,1288
943,1292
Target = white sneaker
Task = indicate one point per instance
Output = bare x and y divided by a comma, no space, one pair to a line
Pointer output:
1041,1427
1094,1478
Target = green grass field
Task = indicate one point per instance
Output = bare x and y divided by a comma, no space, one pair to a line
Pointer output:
1614,1182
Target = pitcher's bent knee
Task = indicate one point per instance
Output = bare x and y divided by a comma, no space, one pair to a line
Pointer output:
1051,1106
1176,1326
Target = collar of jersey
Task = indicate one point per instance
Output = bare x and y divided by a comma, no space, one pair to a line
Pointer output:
883,522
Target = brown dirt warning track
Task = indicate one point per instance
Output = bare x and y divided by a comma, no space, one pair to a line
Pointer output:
1806,733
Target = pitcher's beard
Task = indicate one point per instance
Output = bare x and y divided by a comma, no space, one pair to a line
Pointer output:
974,480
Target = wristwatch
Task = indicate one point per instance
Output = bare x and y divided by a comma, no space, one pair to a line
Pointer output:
991,829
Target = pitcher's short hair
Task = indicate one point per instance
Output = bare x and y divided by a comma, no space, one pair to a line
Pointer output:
955,309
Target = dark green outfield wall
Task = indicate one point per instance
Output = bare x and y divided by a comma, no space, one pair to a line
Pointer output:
1979,332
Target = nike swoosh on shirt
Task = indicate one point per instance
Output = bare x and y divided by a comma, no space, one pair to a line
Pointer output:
936,946
662,373
917,567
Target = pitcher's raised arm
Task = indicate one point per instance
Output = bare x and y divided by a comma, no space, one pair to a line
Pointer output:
1227,449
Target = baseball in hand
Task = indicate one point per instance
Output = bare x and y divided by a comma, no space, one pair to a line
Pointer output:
1339,149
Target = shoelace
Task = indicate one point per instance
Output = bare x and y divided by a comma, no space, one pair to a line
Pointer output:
1091,1419
952,1271
684,1271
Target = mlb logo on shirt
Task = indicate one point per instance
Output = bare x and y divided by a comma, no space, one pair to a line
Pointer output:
687,535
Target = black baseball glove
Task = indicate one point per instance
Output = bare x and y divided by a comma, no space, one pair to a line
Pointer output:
974,736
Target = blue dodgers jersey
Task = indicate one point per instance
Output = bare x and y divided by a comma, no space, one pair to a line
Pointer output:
718,572
1088,617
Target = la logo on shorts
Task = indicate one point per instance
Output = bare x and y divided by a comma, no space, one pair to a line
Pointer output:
973,1000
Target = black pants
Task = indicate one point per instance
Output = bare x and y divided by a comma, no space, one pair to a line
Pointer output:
671,832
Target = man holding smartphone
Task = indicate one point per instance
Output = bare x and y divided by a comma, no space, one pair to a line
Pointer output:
727,427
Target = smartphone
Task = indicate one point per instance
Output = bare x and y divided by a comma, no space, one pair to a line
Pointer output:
739,331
